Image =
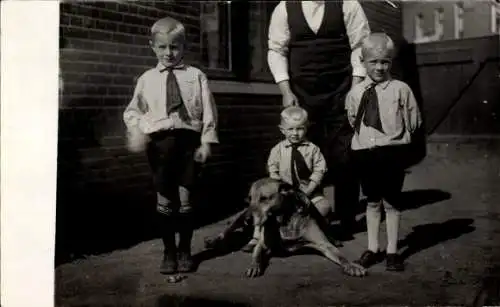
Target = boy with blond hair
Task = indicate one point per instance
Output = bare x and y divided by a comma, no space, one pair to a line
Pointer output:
173,117
297,161
385,115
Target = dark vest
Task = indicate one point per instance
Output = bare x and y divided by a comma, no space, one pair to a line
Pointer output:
319,63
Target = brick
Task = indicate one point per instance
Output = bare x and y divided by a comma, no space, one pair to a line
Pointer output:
109,50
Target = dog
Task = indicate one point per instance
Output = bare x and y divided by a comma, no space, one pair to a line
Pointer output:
288,222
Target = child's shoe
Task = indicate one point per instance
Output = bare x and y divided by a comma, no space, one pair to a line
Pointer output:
186,263
394,263
369,258
185,229
169,264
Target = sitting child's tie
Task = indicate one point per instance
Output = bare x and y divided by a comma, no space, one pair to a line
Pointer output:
298,166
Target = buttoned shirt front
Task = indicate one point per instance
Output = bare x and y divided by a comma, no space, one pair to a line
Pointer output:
278,163
147,109
355,21
399,114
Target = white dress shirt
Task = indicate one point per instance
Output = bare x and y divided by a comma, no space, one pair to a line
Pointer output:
399,114
147,109
355,21
278,162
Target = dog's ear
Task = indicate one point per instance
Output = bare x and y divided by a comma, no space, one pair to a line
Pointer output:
285,188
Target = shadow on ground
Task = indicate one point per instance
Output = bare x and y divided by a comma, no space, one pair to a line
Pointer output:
182,301
415,199
233,242
105,198
428,235
410,200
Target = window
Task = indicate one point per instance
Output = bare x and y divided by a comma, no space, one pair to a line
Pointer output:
260,16
224,51
459,20
216,51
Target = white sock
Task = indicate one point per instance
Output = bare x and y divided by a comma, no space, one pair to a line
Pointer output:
373,225
393,216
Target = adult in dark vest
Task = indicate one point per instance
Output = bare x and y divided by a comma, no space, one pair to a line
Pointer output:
315,57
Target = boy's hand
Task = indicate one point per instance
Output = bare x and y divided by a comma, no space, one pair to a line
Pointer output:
356,80
136,140
165,124
308,187
305,188
202,153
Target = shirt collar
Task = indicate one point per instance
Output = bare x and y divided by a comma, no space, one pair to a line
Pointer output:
303,143
162,67
368,82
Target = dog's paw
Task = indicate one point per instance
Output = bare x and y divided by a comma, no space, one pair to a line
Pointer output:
212,243
255,270
354,269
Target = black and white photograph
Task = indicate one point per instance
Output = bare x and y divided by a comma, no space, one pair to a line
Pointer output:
271,153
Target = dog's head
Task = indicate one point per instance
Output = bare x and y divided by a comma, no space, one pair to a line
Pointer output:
268,197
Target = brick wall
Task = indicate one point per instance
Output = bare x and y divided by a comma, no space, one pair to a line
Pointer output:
105,197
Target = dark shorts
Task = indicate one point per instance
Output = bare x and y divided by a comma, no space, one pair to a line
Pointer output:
381,173
171,158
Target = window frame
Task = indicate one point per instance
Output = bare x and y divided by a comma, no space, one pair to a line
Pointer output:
265,8
237,44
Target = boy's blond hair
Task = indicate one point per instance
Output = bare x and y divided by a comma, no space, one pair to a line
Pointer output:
294,116
377,42
170,26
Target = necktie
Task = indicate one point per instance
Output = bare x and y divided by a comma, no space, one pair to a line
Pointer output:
298,165
369,108
174,98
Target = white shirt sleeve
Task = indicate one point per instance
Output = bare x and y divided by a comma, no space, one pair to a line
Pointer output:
357,29
278,38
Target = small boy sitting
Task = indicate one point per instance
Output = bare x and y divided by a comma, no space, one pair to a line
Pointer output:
385,116
297,161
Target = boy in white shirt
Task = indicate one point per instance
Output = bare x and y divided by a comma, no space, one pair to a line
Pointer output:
298,162
172,115
385,115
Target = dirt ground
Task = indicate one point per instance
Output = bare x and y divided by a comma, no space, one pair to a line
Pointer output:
449,237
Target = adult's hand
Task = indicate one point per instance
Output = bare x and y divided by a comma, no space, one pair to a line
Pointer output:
356,80
289,98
